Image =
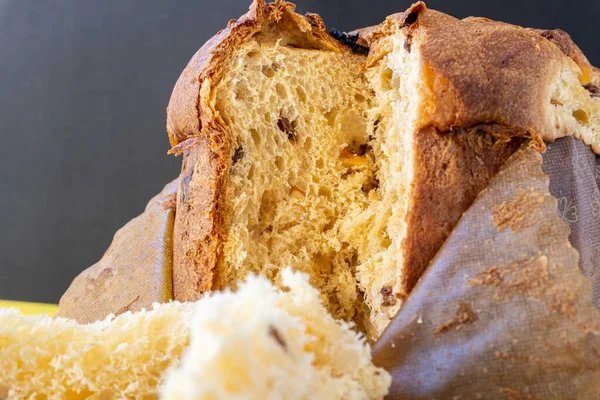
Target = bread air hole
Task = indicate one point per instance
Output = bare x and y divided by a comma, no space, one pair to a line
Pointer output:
301,94
255,137
324,191
281,91
331,116
279,163
308,143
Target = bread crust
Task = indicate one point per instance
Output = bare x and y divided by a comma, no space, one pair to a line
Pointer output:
197,232
451,168
481,71
198,133
191,113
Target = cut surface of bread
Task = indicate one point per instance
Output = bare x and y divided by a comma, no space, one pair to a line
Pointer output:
300,166
299,152
272,344
122,358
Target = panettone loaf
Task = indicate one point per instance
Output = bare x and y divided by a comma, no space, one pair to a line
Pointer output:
353,160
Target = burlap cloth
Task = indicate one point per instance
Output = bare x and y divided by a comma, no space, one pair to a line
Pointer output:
505,310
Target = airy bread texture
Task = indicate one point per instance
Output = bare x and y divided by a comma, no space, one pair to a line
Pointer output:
254,344
124,357
300,152
292,113
263,343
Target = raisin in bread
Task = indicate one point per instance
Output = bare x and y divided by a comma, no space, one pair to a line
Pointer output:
273,344
354,165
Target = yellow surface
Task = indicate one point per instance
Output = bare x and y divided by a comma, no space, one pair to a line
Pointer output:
30,308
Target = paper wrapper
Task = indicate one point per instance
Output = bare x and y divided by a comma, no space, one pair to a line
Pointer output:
503,312
135,271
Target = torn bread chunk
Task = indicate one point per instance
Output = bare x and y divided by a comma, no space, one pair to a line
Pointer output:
273,344
354,168
258,342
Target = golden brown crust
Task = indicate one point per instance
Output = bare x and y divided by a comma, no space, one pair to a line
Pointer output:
482,71
188,113
197,232
197,131
451,168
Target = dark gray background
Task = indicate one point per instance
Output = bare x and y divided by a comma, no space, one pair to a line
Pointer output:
83,90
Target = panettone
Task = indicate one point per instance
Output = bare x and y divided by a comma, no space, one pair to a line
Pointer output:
352,157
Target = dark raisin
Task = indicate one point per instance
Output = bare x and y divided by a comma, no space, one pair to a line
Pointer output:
375,126
350,40
388,296
289,128
593,89
371,184
339,35
411,18
238,154
274,332
363,50
363,149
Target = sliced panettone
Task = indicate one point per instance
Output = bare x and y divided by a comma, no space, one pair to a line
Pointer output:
300,150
